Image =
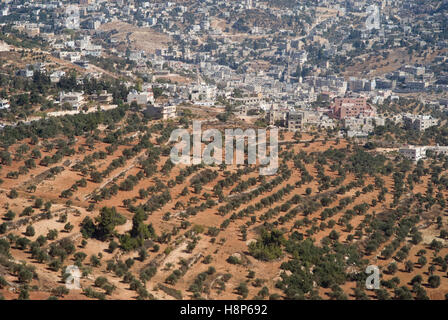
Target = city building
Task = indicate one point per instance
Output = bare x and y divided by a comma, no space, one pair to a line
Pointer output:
295,121
342,108
74,99
419,122
103,97
161,112
363,124
141,98
413,153
201,92
56,76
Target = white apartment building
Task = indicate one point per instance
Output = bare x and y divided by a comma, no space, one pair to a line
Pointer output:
56,76
419,122
168,112
250,100
4,104
141,98
71,17
202,92
416,153
74,99
365,124
413,153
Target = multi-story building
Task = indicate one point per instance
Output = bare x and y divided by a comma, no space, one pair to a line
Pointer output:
201,92
249,100
295,121
141,98
32,30
161,112
71,17
413,153
343,108
74,99
56,76
28,73
419,122
103,97
277,116
364,124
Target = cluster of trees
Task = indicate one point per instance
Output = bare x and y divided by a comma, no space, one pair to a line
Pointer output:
139,232
104,228
70,125
268,246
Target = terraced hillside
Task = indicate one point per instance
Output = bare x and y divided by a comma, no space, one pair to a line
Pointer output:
99,191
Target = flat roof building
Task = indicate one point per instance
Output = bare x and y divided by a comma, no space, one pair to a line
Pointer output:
351,107
413,153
